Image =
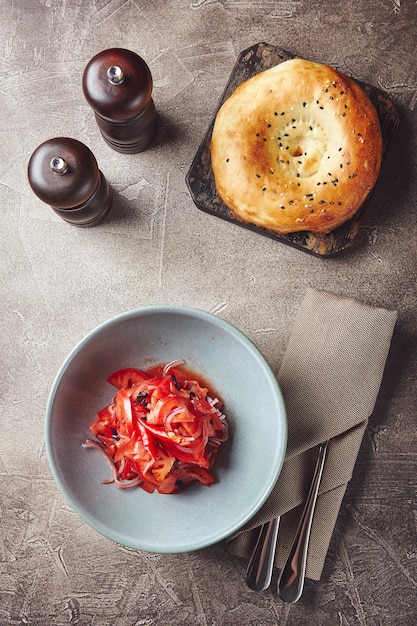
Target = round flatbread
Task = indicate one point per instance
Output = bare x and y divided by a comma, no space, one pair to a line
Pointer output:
296,147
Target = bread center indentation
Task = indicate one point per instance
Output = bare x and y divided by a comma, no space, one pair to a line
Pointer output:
301,147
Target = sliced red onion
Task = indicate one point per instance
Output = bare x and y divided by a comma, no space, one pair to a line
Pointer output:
121,484
171,364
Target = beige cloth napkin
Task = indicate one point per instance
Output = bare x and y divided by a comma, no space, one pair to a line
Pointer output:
330,378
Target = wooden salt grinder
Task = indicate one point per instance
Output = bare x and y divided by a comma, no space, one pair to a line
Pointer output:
64,173
117,84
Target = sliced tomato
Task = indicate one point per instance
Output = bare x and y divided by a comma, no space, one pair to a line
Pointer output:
126,377
160,430
104,425
124,412
170,409
186,473
163,464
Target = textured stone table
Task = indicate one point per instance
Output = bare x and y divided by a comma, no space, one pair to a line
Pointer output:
58,282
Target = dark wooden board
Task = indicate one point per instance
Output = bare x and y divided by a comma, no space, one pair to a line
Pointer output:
200,178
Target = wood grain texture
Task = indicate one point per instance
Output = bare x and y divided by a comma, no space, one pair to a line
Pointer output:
57,282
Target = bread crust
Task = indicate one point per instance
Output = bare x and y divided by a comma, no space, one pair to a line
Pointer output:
296,147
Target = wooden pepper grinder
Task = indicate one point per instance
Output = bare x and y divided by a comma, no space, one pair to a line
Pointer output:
117,84
64,173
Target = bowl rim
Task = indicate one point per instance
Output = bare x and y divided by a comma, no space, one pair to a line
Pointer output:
202,315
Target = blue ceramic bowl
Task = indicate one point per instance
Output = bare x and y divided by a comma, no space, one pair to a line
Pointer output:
246,469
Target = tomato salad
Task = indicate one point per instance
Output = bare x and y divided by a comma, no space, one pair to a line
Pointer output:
162,429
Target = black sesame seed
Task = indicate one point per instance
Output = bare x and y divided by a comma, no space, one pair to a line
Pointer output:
322,202
304,104
282,112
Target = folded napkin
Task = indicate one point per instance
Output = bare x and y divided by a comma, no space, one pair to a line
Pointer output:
330,378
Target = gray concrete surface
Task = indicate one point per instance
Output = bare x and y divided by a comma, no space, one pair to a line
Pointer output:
58,282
